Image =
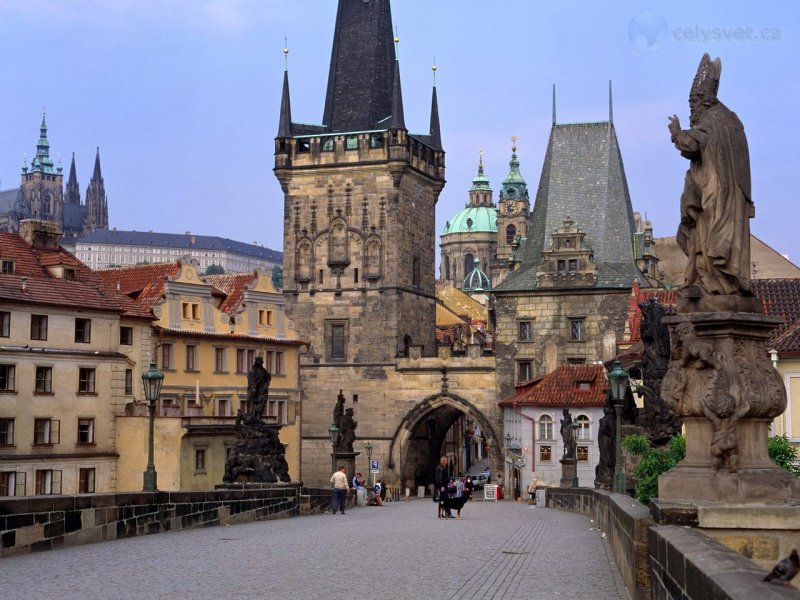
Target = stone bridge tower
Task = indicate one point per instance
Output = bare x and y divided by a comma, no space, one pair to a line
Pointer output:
360,193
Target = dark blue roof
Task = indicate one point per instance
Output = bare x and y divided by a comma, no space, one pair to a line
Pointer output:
188,241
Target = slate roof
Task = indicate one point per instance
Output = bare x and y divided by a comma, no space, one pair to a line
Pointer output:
362,67
179,240
88,290
8,200
582,178
562,388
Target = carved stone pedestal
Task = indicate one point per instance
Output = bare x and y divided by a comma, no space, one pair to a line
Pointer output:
722,384
569,472
348,459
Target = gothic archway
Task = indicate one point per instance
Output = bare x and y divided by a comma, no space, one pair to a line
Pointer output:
428,431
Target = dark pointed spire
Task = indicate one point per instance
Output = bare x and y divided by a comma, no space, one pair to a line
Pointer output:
398,118
73,190
96,216
362,64
610,105
435,131
285,122
96,173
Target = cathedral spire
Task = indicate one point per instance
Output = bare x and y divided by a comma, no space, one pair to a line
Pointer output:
360,80
73,190
96,173
96,216
435,132
285,122
42,161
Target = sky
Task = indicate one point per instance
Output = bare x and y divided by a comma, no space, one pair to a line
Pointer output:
183,96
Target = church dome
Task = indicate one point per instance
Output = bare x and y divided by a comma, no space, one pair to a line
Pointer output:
472,219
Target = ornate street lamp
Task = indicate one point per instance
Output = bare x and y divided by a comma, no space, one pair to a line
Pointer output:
333,433
368,447
618,377
151,382
575,427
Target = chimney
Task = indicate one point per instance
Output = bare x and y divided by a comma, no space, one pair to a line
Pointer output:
40,234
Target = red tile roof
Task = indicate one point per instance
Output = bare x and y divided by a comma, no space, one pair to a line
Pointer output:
562,387
166,331
87,290
233,286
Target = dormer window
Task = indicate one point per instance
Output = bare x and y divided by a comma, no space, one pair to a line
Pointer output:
69,274
7,267
327,145
351,142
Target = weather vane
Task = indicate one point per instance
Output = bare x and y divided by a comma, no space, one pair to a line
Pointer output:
513,143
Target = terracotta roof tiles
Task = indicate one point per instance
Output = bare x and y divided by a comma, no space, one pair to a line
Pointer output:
568,385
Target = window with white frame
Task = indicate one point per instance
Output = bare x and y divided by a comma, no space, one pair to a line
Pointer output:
584,431
44,380
46,432
86,431
545,427
86,380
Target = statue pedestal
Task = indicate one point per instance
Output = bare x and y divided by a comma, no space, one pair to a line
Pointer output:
348,459
756,480
569,472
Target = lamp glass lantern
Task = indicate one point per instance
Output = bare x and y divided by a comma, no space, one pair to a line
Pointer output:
618,377
368,447
152,379
333,433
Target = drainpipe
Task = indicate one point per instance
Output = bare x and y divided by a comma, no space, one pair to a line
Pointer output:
533,435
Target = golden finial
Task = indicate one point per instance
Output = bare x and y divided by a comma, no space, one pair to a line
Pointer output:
396,37
513,143
433,68
286,52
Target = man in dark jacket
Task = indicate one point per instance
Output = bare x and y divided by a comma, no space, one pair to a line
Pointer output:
441,479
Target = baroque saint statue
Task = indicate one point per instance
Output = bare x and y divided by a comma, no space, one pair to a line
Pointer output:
716,206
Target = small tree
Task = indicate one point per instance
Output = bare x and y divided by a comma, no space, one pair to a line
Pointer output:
655,461
213,269
277,276
783,453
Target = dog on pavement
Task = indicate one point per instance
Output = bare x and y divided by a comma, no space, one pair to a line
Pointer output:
455,503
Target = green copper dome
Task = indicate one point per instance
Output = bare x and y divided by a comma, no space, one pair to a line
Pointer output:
481,182
477,280
514,185
472,219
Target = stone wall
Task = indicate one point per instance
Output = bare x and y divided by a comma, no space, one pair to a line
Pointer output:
687,564
665,562
35,524
625,523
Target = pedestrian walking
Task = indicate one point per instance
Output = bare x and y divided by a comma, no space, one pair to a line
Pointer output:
340,489
532,491
442,479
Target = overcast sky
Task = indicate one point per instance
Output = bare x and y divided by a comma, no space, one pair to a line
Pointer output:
182,96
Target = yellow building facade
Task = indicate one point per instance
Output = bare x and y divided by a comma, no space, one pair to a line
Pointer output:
71,355
207,333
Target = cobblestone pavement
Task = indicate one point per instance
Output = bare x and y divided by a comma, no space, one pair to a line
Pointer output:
497,550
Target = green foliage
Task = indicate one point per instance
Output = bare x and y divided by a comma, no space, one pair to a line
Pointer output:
215,270
783,453
654,462
277,276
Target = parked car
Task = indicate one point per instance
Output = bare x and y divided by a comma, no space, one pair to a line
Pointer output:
480,480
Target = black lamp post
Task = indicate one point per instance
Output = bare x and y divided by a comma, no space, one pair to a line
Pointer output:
619,386
333,432
575,427
151,381
368,447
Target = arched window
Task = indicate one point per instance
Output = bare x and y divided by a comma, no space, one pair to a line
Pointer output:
511,233
469,264
545,427
584,433
446,265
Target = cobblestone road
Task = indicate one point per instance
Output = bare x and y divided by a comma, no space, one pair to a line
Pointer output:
497,550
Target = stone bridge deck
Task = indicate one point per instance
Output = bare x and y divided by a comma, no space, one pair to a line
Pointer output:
497,550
